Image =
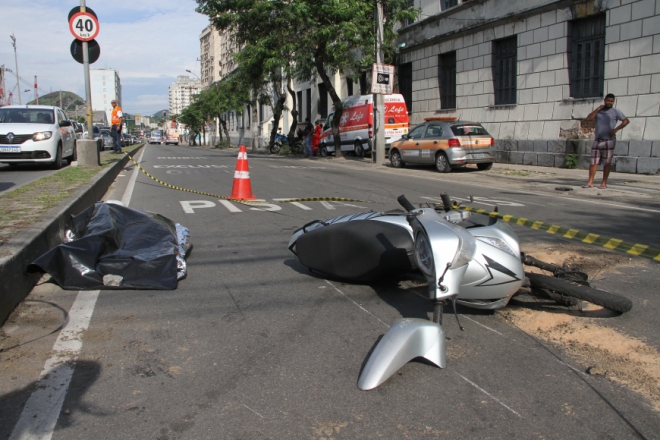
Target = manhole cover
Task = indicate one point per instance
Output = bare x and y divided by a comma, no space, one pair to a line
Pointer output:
564,188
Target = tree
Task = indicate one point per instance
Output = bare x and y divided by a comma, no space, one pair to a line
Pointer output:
321,37
223,97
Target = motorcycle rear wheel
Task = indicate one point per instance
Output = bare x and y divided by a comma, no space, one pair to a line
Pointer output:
275,148
565,287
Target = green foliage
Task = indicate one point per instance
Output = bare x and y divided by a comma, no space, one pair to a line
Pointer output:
572,160
304,39
222,145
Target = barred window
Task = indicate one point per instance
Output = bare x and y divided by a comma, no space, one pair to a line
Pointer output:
323,101
587,57
447,79
505,70
446,4
405,84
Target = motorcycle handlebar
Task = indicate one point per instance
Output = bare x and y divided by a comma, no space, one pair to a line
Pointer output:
445,201
403,201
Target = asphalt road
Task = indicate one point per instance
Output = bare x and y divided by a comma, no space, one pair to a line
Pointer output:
252,346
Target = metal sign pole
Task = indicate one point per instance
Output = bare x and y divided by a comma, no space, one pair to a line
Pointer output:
88,87
379,107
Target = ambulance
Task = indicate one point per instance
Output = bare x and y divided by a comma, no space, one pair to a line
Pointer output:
356,127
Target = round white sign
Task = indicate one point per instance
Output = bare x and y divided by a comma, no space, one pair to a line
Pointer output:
84,26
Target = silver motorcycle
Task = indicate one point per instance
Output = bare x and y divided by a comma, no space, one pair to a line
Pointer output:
466,258
470,259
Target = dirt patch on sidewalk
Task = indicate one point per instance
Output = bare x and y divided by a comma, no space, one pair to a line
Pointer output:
599,349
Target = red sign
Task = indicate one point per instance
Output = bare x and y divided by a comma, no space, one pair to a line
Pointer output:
84,26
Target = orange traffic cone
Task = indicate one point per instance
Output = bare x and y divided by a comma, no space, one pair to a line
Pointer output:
242,188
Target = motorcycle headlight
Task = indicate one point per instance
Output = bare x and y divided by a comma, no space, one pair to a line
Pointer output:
467,246
498,243
424,254
42,136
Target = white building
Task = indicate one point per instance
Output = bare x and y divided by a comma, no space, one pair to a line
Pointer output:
181,92
532,70
106,86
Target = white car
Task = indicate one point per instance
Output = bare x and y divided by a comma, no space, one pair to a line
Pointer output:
36,134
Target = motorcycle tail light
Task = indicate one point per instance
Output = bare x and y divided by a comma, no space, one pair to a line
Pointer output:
454,142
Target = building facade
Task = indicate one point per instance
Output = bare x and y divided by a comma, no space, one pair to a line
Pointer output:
532,70
181,92
106,86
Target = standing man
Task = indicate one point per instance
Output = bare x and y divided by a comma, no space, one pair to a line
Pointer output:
606,117
308,132
117,119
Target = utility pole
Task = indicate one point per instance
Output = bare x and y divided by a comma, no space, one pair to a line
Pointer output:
88,87
18,84
36,91
3,91
379,100
61,106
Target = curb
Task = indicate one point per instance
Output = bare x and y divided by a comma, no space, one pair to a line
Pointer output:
32,242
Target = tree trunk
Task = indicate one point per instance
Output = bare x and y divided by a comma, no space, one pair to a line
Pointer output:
277,114
320,68
294,110
255,122
223,123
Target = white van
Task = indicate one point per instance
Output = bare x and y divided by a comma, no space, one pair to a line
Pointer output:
356,127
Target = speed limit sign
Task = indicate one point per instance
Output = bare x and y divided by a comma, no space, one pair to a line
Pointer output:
84,26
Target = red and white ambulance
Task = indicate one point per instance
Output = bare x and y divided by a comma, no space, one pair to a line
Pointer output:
356,128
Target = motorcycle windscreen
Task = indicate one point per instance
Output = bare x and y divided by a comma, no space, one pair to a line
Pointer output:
359,251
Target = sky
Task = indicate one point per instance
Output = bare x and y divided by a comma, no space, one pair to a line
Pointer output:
149,42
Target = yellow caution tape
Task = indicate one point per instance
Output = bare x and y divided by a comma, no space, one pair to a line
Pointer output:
247,202
636,249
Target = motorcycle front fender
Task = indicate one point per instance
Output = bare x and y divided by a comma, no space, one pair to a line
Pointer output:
406,340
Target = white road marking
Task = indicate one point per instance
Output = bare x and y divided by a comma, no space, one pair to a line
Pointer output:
266,206
480,324
189,206
126,199
230,206
327,205
488,394
480,200
361,308
298,204
253,411
43,408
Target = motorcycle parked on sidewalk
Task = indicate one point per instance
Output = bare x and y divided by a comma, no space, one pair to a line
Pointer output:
467,258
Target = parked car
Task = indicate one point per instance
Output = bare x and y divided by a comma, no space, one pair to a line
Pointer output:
36,134
107,139
97,131
127,139
446,142
80,129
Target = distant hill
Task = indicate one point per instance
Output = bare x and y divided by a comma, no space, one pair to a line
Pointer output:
70,100
159,113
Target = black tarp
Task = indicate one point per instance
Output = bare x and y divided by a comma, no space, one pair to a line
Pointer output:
138,248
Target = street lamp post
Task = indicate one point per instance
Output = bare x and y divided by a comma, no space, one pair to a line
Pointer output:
18,85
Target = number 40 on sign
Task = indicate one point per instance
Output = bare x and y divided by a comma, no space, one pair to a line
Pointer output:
84,26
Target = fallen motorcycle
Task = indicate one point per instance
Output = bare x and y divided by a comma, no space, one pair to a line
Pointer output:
467,258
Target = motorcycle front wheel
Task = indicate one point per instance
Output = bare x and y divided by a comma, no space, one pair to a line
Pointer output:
275,148
572,289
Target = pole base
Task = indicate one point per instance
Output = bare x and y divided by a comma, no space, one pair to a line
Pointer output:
406,340
88,152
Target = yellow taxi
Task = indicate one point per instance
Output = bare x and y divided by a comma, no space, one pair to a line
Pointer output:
446,143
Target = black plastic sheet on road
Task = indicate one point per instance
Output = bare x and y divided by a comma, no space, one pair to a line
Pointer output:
111,246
